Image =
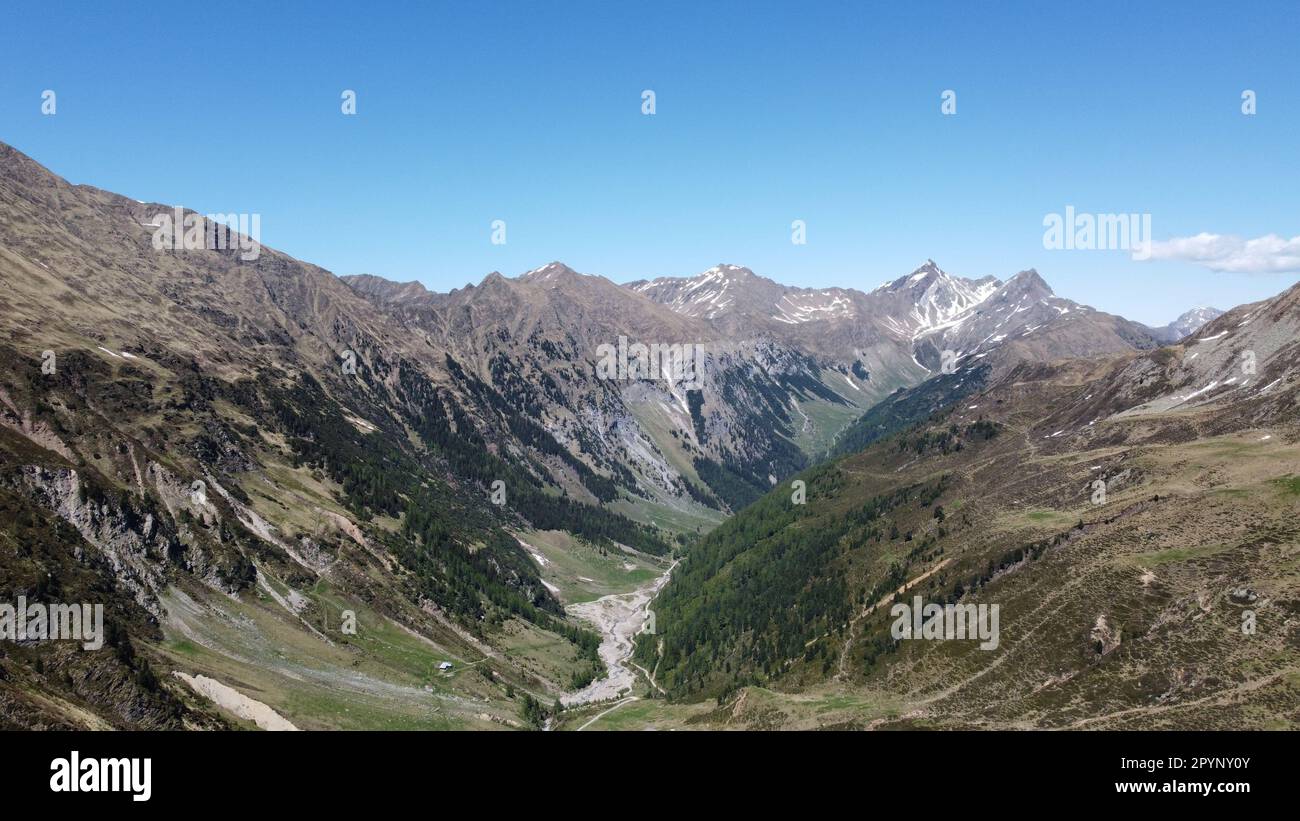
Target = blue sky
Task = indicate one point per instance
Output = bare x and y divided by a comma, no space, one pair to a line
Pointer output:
766,113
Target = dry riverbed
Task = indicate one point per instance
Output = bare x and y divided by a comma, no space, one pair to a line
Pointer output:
618,617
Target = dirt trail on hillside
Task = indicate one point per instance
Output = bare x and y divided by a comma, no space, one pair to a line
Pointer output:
603,713
848,643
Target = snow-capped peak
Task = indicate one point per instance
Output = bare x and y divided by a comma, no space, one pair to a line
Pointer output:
926,272
549,271
705,295
939,299
1195,318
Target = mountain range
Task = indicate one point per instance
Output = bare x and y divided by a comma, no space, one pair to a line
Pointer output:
304,494
1133,519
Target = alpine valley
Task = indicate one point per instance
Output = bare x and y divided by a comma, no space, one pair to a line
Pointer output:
310,501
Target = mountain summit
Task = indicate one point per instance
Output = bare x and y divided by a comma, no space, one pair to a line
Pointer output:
1186,324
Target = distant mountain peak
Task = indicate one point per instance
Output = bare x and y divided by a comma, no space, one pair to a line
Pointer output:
1199,315
724,274
548,272
721,290
925,273
1028,281
727,269
1188,323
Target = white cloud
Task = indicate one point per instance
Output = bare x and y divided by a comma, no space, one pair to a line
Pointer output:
1269,254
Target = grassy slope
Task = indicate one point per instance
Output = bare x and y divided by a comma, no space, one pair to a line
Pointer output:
1226,518
383,677
584,572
